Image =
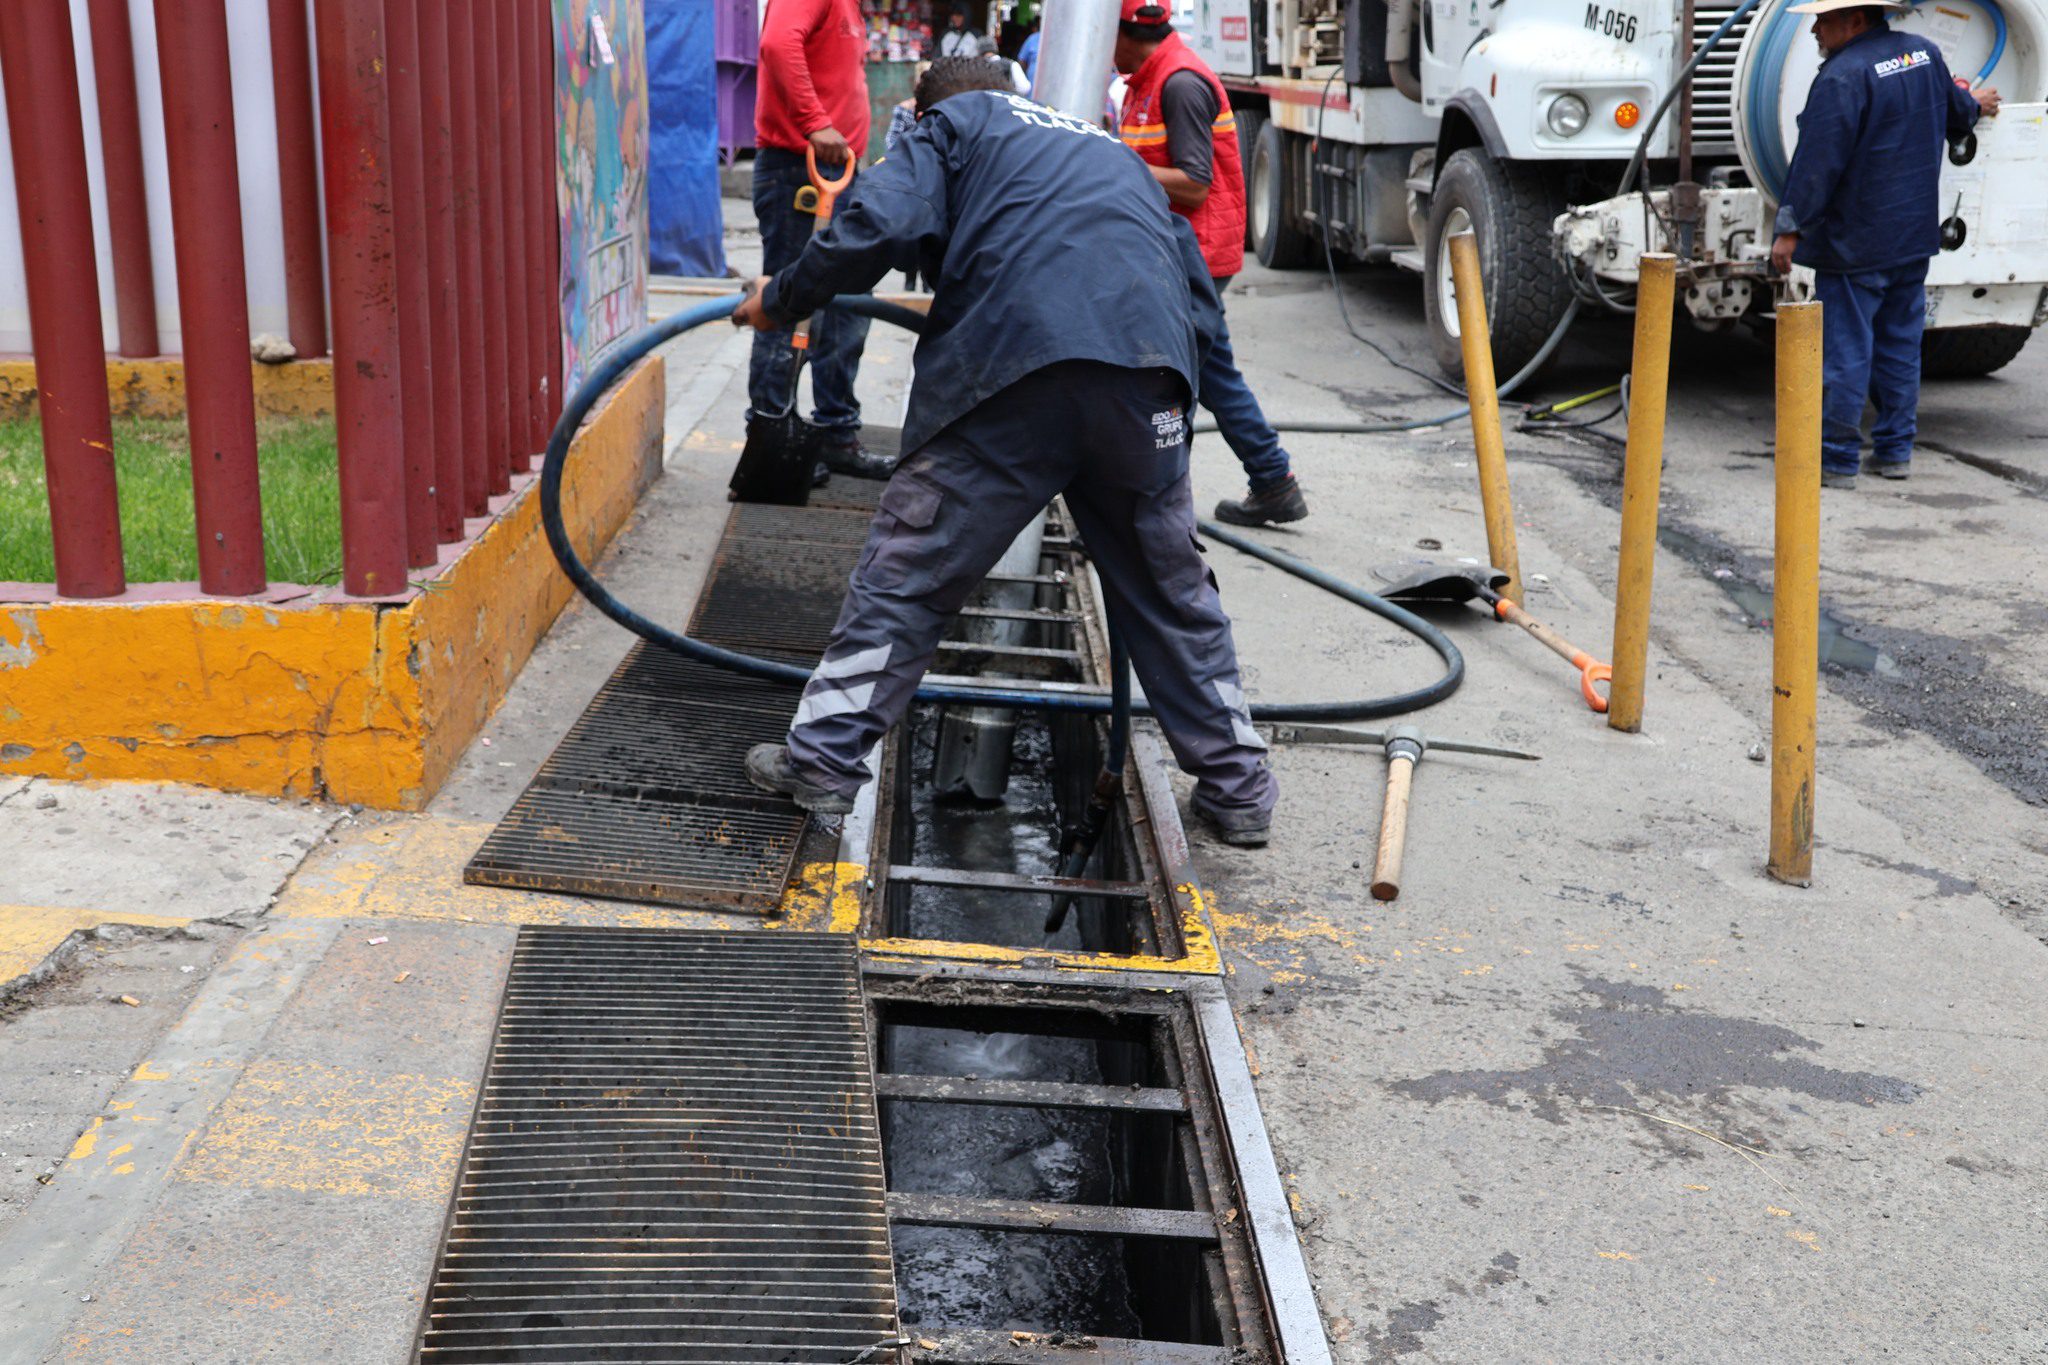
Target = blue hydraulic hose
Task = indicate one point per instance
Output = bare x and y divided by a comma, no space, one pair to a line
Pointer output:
614,366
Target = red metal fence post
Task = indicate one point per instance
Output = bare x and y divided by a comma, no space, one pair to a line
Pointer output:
409,227
476,443
213,294
369,418
298,176
551,160
437,122
113,74
542,279
513,21
47,133
490,162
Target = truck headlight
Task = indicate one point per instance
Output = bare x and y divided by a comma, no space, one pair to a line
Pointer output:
1566,116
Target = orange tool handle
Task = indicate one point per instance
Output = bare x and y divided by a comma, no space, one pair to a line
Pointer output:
828,190
1591,670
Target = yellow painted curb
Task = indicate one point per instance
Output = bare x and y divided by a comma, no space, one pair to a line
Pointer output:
156,387
349,700
30,933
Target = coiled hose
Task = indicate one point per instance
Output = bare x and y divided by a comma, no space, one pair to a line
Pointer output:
1051,697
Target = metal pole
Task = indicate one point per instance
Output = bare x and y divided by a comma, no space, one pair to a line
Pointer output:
1643,468
298,177
557,369
443,311
213,292
113,71
409,231
1486,439
1795,594
490,161
47,134
1076,52
512,21
476,442
369,417
543,275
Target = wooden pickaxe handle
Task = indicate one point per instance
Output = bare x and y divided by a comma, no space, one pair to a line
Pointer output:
1405,747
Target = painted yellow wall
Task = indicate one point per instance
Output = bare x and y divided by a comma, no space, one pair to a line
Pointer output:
355,701
156,388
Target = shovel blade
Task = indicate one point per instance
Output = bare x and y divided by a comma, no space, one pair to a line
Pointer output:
776,466
1425,580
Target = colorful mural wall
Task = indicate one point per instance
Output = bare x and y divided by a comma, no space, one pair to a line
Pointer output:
600,175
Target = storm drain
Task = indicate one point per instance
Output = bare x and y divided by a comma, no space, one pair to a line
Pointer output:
674,1158
645,799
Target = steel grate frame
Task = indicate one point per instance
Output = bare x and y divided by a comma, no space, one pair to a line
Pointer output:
674,1157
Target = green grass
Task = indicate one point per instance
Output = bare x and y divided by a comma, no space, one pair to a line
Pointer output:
152,465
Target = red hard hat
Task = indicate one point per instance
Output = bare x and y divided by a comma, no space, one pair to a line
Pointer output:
1144,12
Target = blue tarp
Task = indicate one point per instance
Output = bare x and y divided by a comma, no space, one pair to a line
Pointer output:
685,232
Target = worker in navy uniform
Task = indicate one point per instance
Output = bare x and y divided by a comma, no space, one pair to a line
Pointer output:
1069,314
1860,207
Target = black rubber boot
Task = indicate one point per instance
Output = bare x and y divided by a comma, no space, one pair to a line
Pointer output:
769,768
844,454
1242,828
1264,506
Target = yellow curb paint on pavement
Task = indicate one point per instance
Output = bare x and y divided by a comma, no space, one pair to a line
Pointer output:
335,1130
30,933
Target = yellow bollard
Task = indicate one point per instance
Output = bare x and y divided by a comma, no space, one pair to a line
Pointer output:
1795,594
1479,388
1643,470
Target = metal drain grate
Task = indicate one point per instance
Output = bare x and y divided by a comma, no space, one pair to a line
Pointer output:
674,1158
645,798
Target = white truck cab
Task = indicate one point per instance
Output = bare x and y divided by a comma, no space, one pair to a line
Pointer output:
1376,128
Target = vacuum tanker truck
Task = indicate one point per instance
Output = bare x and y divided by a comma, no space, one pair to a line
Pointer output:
1378,128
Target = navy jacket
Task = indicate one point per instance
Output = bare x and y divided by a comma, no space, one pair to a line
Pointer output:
1862,188
1045,240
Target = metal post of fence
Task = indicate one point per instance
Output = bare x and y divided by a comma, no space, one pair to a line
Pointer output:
543,279
437,124
369,418
409,232
557,368
298,177
213,292
47,133
512,23
113,74
490,160
469,281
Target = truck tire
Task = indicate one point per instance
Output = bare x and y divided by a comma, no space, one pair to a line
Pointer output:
1250,123
1509,208
1969,352
1278,237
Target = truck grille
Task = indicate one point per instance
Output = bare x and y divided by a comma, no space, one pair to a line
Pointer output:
1713,85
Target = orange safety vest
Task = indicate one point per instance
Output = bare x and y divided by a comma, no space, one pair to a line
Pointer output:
1219,222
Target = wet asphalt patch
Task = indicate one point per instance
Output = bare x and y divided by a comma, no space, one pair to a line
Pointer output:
1631,1045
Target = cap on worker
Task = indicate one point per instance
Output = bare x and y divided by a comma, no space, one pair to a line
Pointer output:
1826,6
1148,13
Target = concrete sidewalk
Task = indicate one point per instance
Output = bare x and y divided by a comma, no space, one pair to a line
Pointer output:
1594,1088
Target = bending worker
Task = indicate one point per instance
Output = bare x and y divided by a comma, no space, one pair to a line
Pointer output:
1178,119
1068,315
1860,207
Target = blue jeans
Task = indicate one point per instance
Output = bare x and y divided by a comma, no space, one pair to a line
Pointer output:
1238,416
1870,339
836,338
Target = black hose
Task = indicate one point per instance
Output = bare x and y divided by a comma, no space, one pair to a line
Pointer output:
1049,698
1642,155
1108,784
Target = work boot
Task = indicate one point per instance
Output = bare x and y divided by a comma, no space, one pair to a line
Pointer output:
1264,506
844,454
1828,480
1246,829
769,768
1891,469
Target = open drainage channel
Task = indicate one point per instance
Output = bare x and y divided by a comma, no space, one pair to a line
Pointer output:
1042,1155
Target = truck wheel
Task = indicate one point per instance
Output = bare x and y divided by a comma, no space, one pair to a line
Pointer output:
1250,123
1276,230
1969,352
1509,208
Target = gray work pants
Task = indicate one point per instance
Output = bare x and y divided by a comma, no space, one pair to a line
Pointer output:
1114,440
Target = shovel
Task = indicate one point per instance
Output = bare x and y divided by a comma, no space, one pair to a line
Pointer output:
781,454
1434,581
